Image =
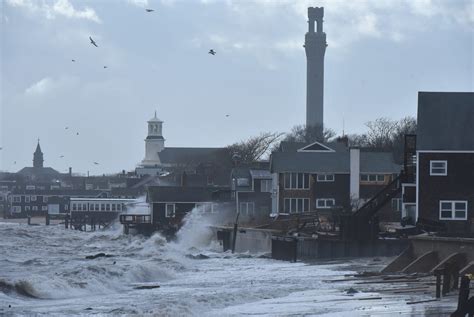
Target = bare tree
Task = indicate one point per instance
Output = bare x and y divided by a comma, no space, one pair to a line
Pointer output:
309,134
254,148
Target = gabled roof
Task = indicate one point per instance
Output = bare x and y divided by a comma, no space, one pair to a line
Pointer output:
189,155
39,172
332,162
183,194
316,147
445,121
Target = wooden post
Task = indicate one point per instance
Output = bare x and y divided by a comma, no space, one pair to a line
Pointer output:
438,283
446,281
66,221
463,297
235,231
29,220
47,219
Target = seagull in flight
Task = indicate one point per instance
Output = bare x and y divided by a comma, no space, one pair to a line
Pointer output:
93,42
61,156
212,52
77,133
105,66
149,10
73,60
96,163
227,115
66,128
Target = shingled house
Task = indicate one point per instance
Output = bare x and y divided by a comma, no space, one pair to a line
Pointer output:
312,177
442,190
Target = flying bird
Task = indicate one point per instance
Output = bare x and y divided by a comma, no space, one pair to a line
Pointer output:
66,128
14,162
212,52
227,115
61,156
149,10
77,133
105,66
73,60
93,42
96,163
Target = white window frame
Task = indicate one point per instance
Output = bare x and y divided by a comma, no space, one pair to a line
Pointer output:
325,200
268,188
305,184
247,207
295,202
45,199
398,202
324,178
27,208
16,209
34,208
33,198
439,174
27,199
17,199
44,208
173,213
453,209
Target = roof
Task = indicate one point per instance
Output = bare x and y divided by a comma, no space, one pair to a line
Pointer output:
332,162
39,172
182,194
58,192
260,174
155,119
289,146
445,121
378,162
189,155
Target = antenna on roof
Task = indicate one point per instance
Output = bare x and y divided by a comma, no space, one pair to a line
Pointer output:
343,125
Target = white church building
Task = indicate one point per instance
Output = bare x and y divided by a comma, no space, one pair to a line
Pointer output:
154,144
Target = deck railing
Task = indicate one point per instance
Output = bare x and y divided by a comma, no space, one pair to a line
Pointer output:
135,219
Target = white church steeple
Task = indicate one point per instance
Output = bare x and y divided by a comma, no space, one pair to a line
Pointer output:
154,142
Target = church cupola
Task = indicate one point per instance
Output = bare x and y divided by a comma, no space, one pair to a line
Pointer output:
38,157
154,142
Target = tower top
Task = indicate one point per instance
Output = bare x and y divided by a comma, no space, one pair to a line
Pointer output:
38,156
155,119
315,14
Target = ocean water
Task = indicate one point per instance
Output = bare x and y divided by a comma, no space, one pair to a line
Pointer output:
44,271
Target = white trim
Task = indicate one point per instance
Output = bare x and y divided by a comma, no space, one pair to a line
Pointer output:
325,178
445,167
417,186
297,179
296,199
453,209
443,151
173,213
325,203
303,149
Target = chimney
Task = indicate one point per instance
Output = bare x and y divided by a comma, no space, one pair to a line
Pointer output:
184,180
70,171
344,140
354,174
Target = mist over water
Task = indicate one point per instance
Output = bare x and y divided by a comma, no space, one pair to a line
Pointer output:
44,271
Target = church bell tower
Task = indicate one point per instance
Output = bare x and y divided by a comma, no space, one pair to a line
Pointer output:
154,142
38,156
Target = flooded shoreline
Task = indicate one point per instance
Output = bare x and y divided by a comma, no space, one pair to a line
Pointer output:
195,278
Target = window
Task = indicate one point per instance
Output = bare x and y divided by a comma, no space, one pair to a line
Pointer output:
170,211
325,203
247,208
33,198
74,207
243,182
91,206
1,198
438,168
17,199
203,207
34,208
27,199
266,186
397,204
97,207
452,210
27,208
44,208
16,209
296,205
373,178
107,207
296,181
113,207
325,178
79,207
119,207
102,207
66,207
30,187
45,199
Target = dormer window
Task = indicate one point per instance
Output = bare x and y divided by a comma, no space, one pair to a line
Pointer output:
438,168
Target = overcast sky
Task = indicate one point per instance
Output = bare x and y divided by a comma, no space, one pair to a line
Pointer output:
380,54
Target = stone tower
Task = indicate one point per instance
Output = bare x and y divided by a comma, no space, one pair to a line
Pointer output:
154,142
315,47
38,157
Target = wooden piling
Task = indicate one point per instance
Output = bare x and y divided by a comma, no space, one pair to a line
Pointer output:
234,238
